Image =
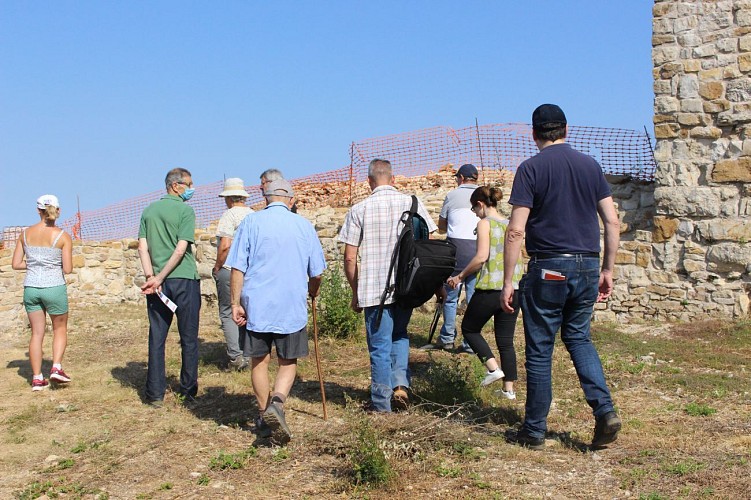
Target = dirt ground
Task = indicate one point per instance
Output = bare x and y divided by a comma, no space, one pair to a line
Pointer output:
682,391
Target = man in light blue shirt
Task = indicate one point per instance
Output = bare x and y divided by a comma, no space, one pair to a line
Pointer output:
277,261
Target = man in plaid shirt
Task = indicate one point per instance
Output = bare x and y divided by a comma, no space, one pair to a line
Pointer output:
371,229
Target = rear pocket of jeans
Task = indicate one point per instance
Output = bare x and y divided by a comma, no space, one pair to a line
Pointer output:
552,292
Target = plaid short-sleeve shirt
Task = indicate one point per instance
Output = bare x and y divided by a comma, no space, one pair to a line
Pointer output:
373,226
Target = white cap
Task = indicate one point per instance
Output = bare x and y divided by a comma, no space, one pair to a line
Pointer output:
47,200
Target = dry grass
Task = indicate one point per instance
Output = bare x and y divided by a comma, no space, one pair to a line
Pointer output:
95,437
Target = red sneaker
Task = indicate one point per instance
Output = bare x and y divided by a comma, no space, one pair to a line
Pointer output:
58,375
39,385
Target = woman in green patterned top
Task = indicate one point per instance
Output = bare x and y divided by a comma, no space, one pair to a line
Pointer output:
486,301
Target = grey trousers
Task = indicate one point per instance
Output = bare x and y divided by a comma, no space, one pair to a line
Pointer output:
238,341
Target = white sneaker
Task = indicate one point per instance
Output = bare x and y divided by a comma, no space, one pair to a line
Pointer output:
506,394
491,377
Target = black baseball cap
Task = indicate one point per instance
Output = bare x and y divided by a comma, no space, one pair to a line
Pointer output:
467,171
548,114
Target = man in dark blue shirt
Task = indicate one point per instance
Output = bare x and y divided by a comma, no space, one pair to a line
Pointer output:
557,197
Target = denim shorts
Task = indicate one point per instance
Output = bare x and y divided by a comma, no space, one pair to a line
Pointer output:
54,299
288,345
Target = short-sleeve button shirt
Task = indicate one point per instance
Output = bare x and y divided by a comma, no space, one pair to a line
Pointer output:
373,226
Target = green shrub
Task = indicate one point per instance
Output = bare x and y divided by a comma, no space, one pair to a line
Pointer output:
225,461
450,381
336,318
699,410
369,463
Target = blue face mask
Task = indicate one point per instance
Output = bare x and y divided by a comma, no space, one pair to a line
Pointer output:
187,194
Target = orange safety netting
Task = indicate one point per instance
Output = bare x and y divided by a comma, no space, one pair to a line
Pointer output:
412,154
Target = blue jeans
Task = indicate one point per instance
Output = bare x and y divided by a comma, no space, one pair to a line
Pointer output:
547,306
448,330
388,347
186,294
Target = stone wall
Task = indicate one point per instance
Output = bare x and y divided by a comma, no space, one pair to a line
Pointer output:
700,253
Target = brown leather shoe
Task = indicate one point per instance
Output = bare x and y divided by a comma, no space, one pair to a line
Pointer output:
400,399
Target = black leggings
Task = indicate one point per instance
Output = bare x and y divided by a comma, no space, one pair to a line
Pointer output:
484,305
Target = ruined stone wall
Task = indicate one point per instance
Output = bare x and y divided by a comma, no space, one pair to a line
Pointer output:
702,58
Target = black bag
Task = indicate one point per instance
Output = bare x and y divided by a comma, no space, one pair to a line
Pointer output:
419,265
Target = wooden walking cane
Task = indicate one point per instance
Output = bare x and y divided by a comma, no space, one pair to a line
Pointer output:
318,358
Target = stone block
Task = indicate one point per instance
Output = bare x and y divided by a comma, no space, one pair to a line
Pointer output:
662,26
743,18
657,119
667,131
711,90
689,119
744,43
733,118
741,306
727,45
78,261
692,105
686,23
662,55
688,87
666,104
716,106
662,87
729,257
692,66
662,39
731,72
669,70
710,74
665,228
624,257
738,90
725,229
707,50
732,170
692,266
705,133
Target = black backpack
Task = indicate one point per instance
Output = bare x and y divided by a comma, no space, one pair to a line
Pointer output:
419,265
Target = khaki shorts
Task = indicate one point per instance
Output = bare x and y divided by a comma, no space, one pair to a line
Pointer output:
288,346
54,299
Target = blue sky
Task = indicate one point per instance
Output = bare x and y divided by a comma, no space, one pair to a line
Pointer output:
99,99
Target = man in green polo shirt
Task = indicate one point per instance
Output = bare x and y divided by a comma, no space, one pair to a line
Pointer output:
164,247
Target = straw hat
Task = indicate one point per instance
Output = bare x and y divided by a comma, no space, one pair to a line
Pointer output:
234,186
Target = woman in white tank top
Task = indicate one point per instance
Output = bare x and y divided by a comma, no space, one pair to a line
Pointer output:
45,252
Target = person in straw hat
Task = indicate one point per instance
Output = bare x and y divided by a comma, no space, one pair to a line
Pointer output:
238,345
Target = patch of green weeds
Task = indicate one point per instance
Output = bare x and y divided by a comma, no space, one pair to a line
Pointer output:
165,486
448,471
79,448
479,482
467,450
60,488
66,463
369,463
280,455
699,410
651,496
203,480
637,368
683,468
449,381
225,461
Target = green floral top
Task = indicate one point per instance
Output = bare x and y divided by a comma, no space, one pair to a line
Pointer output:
491,273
